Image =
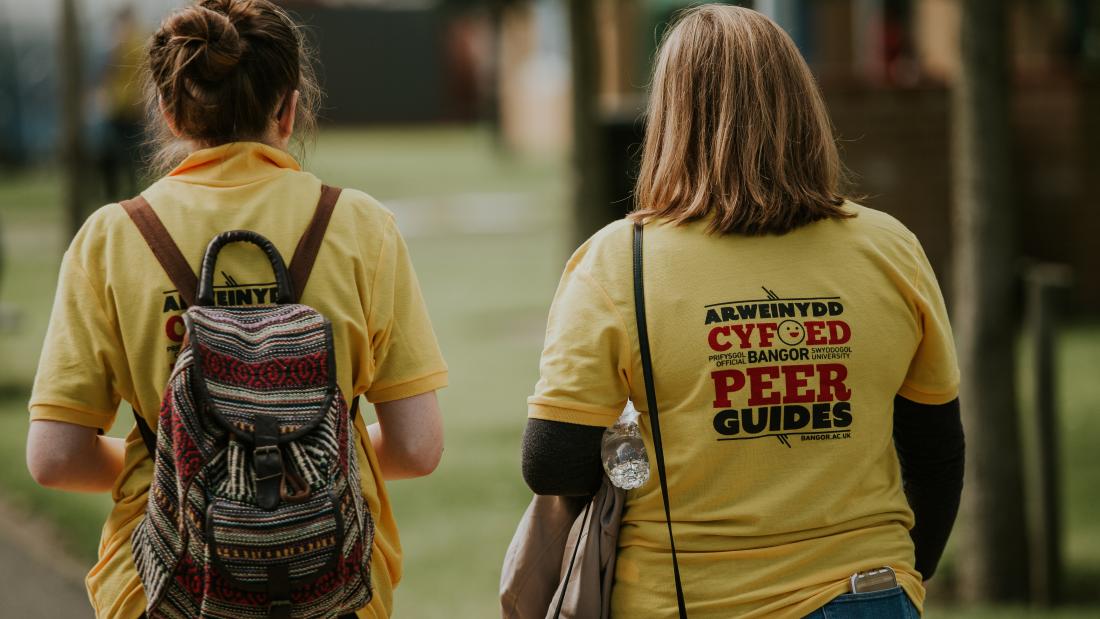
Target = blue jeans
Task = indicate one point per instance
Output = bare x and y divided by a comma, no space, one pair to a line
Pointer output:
888,604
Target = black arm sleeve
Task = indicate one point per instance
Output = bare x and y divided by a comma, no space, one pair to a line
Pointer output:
562,458
931,449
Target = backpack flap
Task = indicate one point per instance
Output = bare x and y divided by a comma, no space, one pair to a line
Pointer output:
266,374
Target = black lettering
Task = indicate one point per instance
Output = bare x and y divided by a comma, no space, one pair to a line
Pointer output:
242,297
803,309
767,311
170,304
820,309
712,315
261,294
747,311
774,355
728,314
725,422
795,417
821,416
835,308
842,414
785,310
775,419
220,298
754,424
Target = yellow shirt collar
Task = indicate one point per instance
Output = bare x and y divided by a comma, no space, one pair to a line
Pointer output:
233,164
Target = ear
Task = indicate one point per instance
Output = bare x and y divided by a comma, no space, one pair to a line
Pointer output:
168,120
287,113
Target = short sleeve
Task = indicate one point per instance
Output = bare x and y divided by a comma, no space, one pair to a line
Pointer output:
933,376
407,360
585,363
81,356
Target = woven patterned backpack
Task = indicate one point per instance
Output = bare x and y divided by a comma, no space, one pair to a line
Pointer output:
255,508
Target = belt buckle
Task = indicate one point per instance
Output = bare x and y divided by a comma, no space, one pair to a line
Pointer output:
878,579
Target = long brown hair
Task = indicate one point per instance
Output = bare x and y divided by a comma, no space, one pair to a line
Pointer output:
737,130
222,70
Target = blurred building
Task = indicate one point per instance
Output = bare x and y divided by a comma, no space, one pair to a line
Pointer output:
886,67
889,94
380,61
397,61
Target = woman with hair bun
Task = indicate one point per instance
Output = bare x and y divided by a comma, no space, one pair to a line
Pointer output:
803,365
230,87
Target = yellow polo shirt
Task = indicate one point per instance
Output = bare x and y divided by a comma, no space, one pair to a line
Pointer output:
776,361
116,329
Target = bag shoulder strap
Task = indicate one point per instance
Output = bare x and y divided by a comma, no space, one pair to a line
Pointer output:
168,254
305,254
651,400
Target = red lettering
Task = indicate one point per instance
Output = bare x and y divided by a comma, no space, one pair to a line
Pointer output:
815,333
743,332
831,377
795,389
725,383
713,339
795,377
174,328
760,379
839,332
767,331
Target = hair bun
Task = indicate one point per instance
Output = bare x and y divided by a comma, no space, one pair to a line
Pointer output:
212,39
249,53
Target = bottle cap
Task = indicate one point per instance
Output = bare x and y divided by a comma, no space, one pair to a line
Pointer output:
630,414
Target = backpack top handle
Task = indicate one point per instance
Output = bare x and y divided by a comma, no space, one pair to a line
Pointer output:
284,290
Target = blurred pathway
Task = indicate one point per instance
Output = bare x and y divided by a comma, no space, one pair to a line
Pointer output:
36,580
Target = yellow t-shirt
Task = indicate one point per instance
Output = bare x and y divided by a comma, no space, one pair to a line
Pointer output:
776,361
115,330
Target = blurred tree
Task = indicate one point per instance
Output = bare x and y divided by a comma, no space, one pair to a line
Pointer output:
72,146
994,559
589,183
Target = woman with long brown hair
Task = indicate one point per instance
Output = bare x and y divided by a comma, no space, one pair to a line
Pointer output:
802,358
231,86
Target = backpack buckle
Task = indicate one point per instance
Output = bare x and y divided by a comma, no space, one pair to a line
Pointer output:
268,460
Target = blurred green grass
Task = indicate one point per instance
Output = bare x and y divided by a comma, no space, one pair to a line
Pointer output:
488,294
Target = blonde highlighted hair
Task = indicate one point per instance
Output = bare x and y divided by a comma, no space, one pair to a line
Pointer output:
737,130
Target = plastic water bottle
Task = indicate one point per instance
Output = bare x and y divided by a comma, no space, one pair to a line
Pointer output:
624,454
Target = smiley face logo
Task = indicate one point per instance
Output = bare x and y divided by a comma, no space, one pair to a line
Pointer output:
791,332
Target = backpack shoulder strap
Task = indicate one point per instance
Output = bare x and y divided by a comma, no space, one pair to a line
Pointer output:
164,248
148,436
301,265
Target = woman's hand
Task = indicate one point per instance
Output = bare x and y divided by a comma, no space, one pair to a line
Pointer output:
408,438
66,456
